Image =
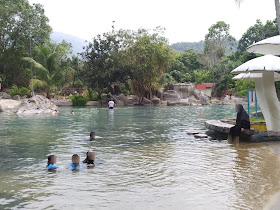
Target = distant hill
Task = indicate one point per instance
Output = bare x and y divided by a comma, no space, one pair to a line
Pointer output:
182,46
199,46
77,43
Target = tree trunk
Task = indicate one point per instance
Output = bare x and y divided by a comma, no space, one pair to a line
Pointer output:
277,8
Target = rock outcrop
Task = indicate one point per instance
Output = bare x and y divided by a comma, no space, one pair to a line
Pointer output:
62,102
36,105
93,103
155,101
7,105
171,95
147,102
4,95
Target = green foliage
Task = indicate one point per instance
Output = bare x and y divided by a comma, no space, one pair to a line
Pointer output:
21,91
256,33
48,63
20,22
242,86
149,57
202,76
79,100
216,42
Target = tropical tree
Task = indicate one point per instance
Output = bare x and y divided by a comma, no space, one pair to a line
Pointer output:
256,33
277,9
216,42
149,57
20,25
48,65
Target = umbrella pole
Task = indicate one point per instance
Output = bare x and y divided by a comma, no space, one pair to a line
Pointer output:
268,101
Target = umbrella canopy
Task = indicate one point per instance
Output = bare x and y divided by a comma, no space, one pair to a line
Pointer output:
266,63
253,76
267,46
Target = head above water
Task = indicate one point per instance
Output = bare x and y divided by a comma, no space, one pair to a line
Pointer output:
90,155
75,159
51,159
92,135
239,108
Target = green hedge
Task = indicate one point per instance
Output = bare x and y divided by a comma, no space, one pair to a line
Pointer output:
79,100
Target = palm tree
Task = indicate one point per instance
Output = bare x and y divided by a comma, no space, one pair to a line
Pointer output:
277,8
48,65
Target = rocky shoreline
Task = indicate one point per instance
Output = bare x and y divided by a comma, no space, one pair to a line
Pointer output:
184,95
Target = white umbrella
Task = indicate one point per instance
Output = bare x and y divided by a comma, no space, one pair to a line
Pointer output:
264,63
267,46
253,76
262,71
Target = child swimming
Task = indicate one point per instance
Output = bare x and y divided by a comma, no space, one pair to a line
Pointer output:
75,165
51,162
90,159
92,136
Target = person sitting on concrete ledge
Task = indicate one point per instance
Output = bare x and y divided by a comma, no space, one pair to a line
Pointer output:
242,123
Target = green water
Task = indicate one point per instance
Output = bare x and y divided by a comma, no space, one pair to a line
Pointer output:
144,160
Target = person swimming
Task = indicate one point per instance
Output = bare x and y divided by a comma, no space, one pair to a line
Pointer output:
75,165
51,162
90,158
92,136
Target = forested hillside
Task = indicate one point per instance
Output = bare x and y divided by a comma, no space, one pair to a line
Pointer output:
199,46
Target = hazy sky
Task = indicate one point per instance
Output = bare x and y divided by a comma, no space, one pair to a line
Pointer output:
184,20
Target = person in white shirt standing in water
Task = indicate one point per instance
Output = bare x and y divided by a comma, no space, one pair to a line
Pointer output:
111,104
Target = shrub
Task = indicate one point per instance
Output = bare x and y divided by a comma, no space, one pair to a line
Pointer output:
22,91
79,100
95,96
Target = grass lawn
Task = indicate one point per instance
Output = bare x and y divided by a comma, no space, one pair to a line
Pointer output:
257,120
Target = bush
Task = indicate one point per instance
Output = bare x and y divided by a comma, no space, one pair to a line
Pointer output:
22,91
79,100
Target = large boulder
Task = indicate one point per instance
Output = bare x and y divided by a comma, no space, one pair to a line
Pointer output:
181,102
62,102
7,105
184,89
93,103
125,100
4,95
118,101
134,99
231,100
193,100
155,101
204,100
171,95
147,102
16,97
36,105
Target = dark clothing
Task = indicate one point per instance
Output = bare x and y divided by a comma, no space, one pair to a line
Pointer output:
242,121
87,161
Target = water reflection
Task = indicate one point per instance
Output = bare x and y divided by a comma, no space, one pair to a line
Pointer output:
144,160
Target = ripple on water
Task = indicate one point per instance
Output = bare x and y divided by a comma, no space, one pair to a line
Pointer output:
144,160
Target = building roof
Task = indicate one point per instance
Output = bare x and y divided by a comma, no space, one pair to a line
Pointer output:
203,86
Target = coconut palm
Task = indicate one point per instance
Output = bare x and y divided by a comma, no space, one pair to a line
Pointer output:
47,63
277,8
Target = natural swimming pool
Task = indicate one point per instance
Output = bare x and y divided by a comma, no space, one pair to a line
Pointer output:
145,160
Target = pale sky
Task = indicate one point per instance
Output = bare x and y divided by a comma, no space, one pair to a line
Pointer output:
184,20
